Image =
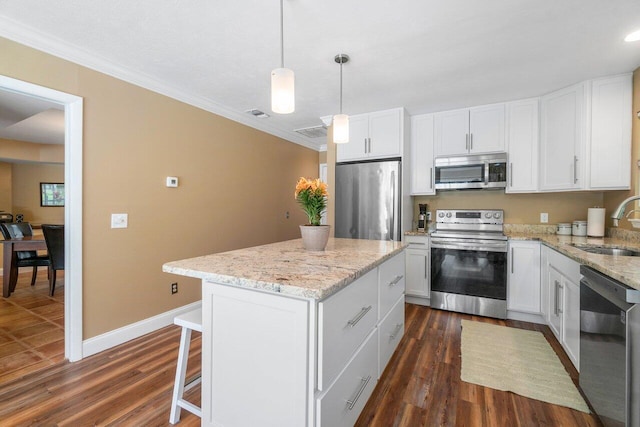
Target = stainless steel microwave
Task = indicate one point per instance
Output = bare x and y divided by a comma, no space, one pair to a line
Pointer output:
478,171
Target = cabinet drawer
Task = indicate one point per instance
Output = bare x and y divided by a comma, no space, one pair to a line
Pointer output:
344,320
342,403
391,283
390,333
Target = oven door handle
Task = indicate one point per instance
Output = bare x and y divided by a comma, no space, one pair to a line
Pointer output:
470,246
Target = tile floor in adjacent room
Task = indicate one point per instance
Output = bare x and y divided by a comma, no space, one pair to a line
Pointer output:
31,326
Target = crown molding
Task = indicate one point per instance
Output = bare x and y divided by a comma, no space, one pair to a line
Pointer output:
35,39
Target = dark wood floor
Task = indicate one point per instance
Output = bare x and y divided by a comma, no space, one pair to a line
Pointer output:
421,385
131,385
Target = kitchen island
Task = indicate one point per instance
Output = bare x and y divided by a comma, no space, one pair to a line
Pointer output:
294,338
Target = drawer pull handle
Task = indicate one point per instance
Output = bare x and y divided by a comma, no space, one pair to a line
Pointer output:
416,243
352,402
395,333
359,316
395,281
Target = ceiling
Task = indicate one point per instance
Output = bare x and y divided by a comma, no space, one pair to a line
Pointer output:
29,119
424,55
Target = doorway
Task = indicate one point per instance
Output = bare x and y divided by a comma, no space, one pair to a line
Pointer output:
73,205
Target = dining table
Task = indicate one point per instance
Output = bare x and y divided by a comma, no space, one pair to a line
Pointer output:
10,247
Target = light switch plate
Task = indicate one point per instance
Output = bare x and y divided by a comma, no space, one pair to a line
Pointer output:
119,220
172,181
544,218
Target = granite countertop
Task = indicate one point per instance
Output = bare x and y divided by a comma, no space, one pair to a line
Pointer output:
287,268
625,269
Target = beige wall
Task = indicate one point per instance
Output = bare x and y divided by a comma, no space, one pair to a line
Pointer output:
612,199
518,208
5,187
236,183
31,152
26,192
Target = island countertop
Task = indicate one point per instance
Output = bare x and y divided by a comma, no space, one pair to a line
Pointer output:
287,268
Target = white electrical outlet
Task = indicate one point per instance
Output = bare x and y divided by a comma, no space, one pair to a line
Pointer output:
172,181
544,218
119,220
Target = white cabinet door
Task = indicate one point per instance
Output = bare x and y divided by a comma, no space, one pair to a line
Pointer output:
555,302
452,132
422,155
390,332
610,144
486,129
522,145
571,320
562,139
544,282
356,148
524,277
417,283
385,133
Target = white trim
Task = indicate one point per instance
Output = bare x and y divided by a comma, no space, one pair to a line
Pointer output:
127,333
33,38
526,317
73,206
417,300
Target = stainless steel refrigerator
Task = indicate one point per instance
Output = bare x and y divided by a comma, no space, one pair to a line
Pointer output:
368,200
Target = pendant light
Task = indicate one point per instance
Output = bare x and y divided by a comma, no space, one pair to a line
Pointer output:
341,121
282,80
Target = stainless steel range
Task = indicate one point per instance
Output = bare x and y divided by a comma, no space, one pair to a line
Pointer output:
469,262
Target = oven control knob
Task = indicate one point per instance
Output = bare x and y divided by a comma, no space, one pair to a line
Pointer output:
441,214
496,215
448,214
488,215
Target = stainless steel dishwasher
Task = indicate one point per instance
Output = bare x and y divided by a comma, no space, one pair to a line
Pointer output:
610,348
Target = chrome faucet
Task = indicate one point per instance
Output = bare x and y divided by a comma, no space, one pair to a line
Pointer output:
619,212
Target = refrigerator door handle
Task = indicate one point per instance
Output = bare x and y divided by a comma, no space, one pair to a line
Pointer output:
393,211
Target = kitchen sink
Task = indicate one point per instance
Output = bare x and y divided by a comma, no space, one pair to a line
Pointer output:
607,250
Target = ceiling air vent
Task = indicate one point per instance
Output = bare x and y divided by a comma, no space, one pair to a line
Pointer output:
257,113
313,131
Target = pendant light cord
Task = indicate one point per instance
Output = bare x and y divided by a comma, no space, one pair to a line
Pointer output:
341,87
281,34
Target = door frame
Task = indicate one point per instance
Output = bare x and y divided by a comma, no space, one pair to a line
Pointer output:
72,206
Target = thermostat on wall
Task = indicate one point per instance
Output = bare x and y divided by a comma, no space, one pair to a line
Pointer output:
172,181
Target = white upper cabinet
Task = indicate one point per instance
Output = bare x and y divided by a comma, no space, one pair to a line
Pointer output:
522,145
374,135
422,155
473,130
610,142
562,139
585,139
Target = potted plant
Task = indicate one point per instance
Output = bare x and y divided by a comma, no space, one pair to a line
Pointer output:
312,196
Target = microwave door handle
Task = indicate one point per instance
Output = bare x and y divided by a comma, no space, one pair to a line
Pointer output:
486,174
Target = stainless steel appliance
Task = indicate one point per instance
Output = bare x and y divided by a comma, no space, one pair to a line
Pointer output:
469,262
368,197
610,348
480,171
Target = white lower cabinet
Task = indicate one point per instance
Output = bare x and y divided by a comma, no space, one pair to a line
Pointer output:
345,398
344,320
390,332
561,279
418,260
357,334
523,279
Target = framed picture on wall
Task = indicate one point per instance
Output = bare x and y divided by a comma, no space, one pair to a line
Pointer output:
51,194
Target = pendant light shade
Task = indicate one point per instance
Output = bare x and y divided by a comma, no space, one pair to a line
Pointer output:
340,129
282,91
341,121
283,100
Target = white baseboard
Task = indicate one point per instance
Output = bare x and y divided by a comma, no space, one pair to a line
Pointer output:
525,317
126,333
418,300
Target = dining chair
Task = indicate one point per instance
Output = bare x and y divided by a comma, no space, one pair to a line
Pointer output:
54,238
16,230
